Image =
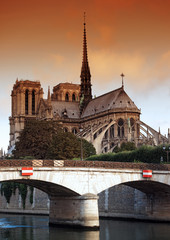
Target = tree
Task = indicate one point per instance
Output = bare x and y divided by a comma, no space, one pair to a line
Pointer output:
88,148
125,146
46,140
9,188
35,139
63,146
6,190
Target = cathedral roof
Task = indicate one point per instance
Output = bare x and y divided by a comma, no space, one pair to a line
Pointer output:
71,109
117,100
66,85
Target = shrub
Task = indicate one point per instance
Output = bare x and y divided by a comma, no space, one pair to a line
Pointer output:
146,154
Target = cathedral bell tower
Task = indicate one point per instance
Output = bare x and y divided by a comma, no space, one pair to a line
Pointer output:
25,98
85,87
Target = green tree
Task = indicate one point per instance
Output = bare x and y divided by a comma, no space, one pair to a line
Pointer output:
146,154
9,188
63,146
125,146
88,148
35,139
46,140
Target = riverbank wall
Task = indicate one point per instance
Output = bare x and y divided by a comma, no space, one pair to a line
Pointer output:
40,205
117,202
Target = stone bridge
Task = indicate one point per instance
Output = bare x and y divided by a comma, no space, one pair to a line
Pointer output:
73,186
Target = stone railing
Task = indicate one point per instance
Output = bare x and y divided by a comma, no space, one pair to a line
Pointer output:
84,164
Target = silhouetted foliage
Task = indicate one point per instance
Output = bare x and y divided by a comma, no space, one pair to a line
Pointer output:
9,188
46,140
125,146
146,154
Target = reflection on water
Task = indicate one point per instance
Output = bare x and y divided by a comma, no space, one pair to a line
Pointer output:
27,227
130,230
21,227
73,234
18,227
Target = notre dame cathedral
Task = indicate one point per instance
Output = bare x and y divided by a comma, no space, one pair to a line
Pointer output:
106,121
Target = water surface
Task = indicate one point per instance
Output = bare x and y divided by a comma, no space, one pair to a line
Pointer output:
26,227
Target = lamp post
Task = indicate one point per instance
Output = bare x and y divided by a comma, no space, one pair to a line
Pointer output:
167,151
81,147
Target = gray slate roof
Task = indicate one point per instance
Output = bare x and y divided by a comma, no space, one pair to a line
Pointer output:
112,100
72,109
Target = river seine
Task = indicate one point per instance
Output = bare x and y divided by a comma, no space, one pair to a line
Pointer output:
26,227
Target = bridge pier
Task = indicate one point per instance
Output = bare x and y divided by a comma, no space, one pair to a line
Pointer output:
81,211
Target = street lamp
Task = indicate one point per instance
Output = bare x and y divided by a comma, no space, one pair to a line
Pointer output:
81,129
167,151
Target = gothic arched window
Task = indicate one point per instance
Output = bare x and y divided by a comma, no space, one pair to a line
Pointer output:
112,131
33,102
120,128
65,129
132,124
74,130
66,97
26,102
73,97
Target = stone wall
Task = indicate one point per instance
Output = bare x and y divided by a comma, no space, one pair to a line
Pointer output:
120,201
41,203
123,201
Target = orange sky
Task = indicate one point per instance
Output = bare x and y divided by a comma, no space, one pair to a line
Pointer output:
42,40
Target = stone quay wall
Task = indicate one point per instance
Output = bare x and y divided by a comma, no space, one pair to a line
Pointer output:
120,201
41,203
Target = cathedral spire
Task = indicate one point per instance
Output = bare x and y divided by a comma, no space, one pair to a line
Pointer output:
85,58
85,72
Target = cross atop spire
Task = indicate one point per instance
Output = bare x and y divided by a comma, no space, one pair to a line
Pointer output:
122,75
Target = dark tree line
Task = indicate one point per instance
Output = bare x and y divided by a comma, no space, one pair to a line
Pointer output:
145,154
9,188
47,140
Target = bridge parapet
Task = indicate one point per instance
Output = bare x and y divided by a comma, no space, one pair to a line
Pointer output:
85,164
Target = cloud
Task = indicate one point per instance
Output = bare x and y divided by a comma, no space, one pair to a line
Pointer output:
58,59
5,101
108,65
141,72
161,67
56,68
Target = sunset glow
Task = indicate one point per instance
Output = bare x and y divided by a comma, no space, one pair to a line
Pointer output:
42,40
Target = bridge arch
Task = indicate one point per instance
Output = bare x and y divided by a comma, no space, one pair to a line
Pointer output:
145,186
46,179
144,200
51,189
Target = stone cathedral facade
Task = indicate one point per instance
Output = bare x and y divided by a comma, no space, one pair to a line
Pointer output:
106,121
